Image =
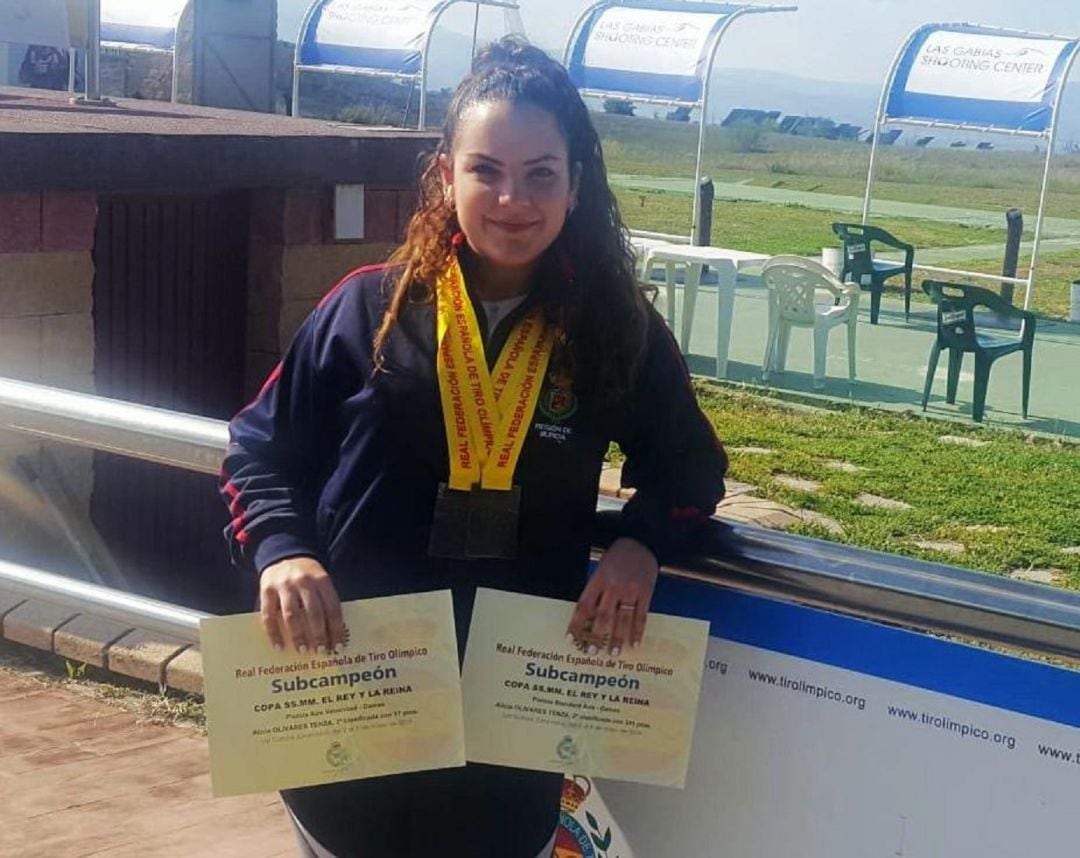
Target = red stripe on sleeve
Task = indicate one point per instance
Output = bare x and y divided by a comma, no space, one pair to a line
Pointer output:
236,511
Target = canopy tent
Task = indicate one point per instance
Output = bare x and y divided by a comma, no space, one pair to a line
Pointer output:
378,38
655,52
971,77
52,23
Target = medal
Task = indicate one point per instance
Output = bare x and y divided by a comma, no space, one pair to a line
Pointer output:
493,523
450,524
481,523
487,417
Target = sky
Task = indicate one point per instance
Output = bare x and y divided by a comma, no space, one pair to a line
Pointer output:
835,40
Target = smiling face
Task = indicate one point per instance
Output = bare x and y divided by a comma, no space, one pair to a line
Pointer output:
512,185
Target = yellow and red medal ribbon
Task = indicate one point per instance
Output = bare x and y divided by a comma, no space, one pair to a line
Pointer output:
486,414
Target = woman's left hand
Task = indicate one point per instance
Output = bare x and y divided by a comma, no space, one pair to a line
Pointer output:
614,605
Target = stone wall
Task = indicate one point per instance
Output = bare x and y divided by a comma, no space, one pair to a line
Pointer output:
46,337
294,261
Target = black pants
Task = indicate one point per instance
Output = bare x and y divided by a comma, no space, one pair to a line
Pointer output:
451,813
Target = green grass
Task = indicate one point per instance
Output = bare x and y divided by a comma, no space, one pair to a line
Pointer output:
994,180
1053,277
1025,197
1011,503
771,228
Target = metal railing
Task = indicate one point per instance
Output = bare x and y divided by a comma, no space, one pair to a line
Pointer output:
124,608
882,587
95,422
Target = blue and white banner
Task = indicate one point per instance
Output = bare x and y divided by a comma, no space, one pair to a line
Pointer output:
381,35
35,22
958,74
656,49
829,737
140,22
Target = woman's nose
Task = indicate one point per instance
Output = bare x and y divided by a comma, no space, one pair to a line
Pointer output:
512,191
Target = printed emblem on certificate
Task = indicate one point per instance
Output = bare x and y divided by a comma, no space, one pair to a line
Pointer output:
390,702
533,700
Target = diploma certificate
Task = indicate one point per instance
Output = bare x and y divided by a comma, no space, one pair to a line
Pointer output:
533,700
389,703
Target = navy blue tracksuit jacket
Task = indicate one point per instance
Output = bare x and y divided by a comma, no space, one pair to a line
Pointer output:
335,461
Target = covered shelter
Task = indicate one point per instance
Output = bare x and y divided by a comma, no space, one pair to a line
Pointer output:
977,78
222,56
376,38
654,52
95,26
48,23
165,254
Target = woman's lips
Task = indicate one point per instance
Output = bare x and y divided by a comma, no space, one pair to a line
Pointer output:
513,226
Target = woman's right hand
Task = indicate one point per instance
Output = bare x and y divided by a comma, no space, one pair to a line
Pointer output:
300,606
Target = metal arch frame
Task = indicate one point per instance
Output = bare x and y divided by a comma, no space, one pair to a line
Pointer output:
701,104
437,12
1050,136
97,46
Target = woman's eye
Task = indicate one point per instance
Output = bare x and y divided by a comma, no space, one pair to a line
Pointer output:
483,170
542,173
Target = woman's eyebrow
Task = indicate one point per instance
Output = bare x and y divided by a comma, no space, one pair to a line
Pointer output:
547,156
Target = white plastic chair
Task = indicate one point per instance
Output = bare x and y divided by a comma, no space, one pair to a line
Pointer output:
805,294
643,250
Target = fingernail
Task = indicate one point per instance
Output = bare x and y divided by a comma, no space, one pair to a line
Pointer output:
615,650
302,649
592,649
570,637
278,648
320,650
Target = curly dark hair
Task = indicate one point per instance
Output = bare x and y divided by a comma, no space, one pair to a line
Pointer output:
587,283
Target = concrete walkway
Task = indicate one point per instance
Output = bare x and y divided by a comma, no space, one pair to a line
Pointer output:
989,252
81,778
891,363
1054,227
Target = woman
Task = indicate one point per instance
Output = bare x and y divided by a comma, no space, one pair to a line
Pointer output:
339,476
